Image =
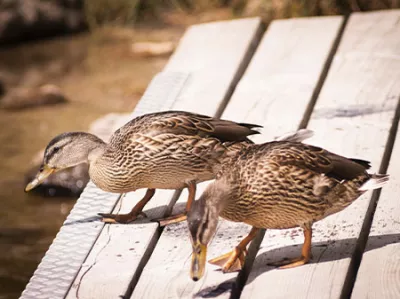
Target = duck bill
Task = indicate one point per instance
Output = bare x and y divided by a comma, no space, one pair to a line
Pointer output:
199,256
43,173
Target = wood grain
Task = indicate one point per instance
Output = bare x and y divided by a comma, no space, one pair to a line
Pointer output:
121,251
352,117
284,58
379,272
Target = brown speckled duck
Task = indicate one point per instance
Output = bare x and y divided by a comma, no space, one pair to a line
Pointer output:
275,185
165,150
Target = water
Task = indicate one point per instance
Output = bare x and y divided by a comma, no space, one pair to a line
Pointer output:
99,75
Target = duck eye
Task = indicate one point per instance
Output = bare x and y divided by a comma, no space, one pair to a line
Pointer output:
56,149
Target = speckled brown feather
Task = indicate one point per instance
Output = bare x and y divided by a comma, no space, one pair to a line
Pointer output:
184,123
275,185
165,150
286,184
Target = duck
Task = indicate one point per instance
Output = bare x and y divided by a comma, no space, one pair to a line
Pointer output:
275,185
161,150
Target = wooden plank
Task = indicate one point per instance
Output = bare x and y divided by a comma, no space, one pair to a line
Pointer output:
378,275
215,62
260,97
121,251
352,117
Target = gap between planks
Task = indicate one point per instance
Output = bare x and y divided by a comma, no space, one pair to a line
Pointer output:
257,98
256,243
249,34
240,71
366,226
364,89
378,276
317,90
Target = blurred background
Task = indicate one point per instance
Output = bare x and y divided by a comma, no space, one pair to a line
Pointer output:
82,65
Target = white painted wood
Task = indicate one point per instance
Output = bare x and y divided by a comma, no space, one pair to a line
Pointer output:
379,273
352,117
118,254
283,73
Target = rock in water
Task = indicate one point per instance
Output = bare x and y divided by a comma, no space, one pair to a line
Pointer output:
27,97
22,20
67,182
152,48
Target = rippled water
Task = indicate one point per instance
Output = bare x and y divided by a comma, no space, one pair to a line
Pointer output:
99,75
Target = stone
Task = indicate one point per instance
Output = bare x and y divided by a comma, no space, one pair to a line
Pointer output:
26,97
22,20
153,48
65,183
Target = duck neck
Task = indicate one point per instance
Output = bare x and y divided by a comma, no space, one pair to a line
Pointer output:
216,196
95,148
203,215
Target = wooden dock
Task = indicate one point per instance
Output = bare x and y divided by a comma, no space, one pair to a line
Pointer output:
339,77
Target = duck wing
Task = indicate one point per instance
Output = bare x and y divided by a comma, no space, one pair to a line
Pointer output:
187,123
316,159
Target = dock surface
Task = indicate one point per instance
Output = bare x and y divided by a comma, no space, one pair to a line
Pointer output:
337,76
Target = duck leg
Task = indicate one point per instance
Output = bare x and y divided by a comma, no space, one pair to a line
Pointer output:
234,260
305,253
182,216
133,214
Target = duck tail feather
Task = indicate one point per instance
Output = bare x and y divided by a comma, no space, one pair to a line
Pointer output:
364,163
297,136
376,181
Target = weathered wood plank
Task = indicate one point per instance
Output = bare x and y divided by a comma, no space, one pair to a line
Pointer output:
215,61
121,251
284,58
69,249
161,92
352,117
378,275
